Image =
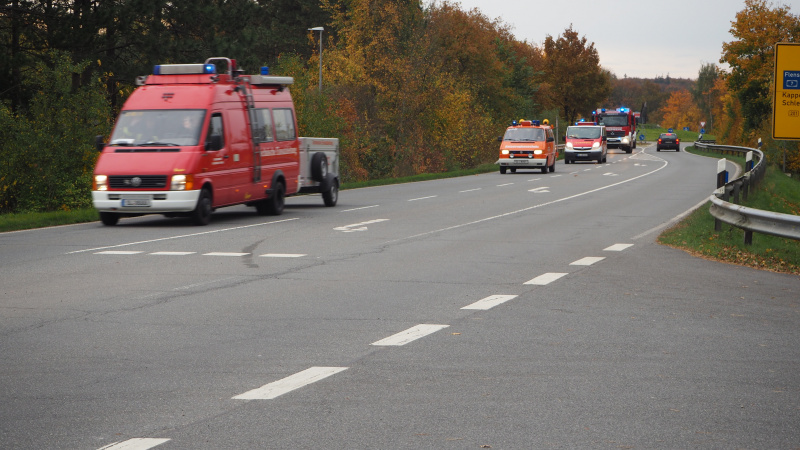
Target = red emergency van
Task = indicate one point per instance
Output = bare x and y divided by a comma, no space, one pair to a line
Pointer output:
191,139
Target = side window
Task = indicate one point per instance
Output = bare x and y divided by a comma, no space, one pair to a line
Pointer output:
266,123
215,129
284,124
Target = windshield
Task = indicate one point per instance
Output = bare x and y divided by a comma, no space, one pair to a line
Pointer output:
524,134
158,127
583,132
614,121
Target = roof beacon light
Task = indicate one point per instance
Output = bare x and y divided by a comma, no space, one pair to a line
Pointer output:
184,69
264,70
536,123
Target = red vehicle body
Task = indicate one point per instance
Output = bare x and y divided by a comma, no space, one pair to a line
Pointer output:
189,140
620,126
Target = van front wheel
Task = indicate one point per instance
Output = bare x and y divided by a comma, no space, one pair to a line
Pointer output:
109,218
275,202
202,212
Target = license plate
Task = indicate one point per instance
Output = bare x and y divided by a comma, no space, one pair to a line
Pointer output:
136,202
582,155
520,161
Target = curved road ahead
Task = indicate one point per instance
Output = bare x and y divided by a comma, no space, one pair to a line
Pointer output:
495,311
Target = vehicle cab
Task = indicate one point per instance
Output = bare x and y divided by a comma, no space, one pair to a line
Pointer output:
529,144
585,141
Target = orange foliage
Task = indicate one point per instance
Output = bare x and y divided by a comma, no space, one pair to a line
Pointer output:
681,111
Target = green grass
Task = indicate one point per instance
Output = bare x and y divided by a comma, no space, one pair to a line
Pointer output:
696,234
26,221
651,133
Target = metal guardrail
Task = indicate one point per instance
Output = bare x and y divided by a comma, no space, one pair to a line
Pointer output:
749,219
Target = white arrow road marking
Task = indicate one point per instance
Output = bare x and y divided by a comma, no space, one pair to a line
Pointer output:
358,226
539,190
135,444
410,335
290,383
617,247
546,278
490,302
588,261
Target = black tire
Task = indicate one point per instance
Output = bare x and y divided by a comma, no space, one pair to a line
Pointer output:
331,194
552,167
319,167
658,149
202,212
545,168
109,218
502,170
678,149
275,202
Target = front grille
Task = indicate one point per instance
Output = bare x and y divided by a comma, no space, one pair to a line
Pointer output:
137,181
616,133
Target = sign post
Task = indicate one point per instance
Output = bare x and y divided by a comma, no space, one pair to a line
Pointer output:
786,101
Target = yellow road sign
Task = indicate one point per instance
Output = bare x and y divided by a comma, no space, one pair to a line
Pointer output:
786,102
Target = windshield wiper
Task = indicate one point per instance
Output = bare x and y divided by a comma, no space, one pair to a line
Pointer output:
151,144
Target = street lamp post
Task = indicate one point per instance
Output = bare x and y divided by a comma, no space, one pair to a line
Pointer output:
320,29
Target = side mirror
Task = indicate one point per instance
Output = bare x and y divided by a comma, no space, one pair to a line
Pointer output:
499,138
550,139
98,142
214,142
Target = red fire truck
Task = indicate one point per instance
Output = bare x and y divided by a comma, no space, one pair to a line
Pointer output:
620,127
191,139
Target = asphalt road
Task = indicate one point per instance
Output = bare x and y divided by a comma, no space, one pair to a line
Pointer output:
511,311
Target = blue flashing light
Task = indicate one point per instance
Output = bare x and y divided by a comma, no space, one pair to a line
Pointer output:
264,70
603,110
513,123
157,69
209,68
535,123
583,120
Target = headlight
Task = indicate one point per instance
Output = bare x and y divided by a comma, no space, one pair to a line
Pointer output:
182,183
100,183
569,145
503,152
596,145
537,152
626,140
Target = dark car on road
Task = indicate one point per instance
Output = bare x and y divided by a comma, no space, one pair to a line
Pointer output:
668,141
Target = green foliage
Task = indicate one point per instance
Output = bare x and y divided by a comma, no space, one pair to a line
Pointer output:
48,154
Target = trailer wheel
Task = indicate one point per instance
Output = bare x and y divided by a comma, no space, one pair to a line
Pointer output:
202,212
275,202
109,218
319,167
331,194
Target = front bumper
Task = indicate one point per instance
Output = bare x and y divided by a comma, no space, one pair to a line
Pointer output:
578,155
522,162
145,202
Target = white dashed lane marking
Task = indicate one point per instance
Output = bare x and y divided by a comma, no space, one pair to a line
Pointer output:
410,335
546,278
135,444
290,383
118,252
617,247
225,254
173,253
282,255
422,198
490,302
588,261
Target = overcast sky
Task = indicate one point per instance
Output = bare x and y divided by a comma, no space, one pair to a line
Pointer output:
637,38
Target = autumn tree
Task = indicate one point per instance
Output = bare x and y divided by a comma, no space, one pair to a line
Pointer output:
681,111
573,75
704,94
757,29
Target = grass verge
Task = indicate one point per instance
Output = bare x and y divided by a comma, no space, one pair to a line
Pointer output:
696,234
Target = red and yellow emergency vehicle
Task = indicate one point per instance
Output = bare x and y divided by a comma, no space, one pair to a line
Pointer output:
529,144
191,139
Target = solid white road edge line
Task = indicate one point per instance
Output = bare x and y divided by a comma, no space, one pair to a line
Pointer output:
410,335
182,236
290,383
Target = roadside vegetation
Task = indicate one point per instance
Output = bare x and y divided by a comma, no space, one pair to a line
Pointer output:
696,235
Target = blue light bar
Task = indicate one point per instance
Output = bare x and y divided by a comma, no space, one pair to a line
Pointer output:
264,70
184,69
